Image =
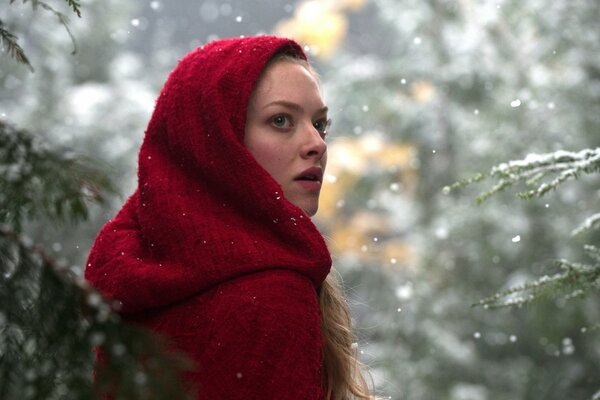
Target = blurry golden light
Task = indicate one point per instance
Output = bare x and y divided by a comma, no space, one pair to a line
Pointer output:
399,155
332,195
397,253
423,91
353,5
346,154
366,234
317,25
372,143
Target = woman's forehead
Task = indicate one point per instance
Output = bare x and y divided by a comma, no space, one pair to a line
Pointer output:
286,79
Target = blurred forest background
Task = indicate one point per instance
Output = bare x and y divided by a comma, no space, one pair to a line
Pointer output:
422,94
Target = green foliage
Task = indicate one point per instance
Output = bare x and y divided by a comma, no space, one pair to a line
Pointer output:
592,222
36,180
576,279
50,319
73,4
560,165
444,81
50,322
9,40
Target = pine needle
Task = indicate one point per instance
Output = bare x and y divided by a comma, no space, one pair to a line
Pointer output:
9,41
75,6
62,18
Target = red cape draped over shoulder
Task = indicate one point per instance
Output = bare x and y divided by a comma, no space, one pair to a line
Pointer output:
207,251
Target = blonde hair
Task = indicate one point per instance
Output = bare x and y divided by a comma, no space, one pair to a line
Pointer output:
343,374
344,377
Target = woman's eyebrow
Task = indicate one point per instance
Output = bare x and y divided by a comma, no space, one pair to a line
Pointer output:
293,106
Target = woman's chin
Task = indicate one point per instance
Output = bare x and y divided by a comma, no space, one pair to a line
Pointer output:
310,208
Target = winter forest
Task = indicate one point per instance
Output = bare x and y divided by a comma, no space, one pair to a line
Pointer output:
460,204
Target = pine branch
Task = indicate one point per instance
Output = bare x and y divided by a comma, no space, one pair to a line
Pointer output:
545,172
9,41
36,180
50,323
62,18
592,222
75,6
575,281
560,165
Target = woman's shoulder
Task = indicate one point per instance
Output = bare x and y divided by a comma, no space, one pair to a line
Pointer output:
243,333
284,291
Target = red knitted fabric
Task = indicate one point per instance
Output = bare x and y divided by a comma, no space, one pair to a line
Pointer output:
208,251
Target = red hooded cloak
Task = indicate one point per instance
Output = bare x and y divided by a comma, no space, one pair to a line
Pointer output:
207,251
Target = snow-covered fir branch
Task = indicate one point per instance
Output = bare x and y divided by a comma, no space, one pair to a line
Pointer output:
574,281
591,222
559,165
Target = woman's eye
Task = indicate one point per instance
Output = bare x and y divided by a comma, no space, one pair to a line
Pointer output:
281,121
321,126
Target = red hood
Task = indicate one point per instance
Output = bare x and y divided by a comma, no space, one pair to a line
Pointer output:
204,211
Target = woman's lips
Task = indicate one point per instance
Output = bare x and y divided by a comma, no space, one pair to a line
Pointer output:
312,186
310,179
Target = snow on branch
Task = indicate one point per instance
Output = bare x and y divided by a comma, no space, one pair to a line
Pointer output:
591,222
574,281
543,173
558,167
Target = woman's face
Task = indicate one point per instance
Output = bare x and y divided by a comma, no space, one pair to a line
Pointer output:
285,131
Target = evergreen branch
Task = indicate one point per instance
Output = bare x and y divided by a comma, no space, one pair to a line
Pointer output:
27,244
9,41
62,19
499,187
75,6
592,222
465,182
592,252
37,180
576,280
50,354
532,169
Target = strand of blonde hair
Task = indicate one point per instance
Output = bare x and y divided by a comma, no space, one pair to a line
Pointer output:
344,376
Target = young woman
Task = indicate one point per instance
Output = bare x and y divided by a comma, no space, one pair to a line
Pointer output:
215,250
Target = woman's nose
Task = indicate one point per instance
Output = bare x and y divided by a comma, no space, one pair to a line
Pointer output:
313,144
